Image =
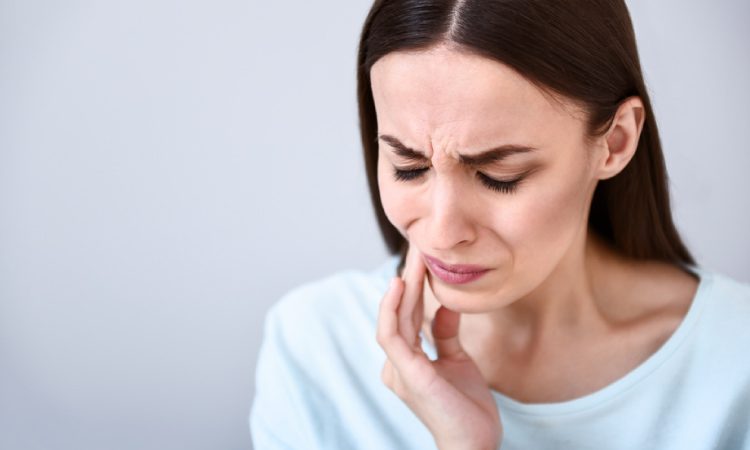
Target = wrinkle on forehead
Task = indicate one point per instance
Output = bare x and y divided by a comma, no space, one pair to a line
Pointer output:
446,100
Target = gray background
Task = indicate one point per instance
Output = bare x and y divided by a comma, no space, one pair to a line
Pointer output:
168,169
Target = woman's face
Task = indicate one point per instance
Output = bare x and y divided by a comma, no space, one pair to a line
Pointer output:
477,167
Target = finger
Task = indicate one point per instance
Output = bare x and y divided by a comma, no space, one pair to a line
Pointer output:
445,333
387,316
388,335
411,309
408,364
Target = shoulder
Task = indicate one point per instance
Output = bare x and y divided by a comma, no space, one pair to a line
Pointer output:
716,369
344,300
317,375
728,289
726,304
313,332
718,327
692,298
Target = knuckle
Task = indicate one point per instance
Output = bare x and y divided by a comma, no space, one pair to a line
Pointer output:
380,337
385,377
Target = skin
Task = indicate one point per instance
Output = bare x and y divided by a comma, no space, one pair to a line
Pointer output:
559,314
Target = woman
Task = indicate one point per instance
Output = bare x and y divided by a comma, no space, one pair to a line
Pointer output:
546,299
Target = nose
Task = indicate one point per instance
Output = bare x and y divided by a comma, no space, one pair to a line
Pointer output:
449,224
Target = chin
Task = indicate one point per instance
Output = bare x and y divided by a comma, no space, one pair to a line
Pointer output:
455,298
472,298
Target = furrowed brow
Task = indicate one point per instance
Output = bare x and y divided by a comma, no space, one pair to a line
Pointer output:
495,155
402,150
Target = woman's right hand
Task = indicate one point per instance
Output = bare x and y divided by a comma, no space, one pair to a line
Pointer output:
449,395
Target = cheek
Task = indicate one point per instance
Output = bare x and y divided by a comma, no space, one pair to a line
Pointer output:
543,225
394,198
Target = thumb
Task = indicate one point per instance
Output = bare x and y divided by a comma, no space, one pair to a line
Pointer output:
445,333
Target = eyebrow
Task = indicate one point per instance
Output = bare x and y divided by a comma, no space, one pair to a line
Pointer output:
402,150
484,158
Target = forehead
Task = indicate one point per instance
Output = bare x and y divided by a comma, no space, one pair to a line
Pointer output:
469,100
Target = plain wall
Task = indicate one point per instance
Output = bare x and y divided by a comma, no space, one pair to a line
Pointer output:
169,169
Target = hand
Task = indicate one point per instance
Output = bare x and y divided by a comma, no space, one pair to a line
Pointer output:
449,395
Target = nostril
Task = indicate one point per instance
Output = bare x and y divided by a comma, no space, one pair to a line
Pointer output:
448,234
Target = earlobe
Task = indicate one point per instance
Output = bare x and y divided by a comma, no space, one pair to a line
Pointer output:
621,141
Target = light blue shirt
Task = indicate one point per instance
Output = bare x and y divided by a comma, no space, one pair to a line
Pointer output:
318,381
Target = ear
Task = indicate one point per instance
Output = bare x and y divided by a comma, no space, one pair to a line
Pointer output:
621,140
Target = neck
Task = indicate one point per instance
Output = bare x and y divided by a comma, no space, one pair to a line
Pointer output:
572,294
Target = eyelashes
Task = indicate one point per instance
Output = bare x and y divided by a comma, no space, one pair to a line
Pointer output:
408,175
503,187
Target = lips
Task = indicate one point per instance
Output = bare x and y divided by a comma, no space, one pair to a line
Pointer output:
454,273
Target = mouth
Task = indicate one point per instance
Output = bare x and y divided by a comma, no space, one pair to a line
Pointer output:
454,273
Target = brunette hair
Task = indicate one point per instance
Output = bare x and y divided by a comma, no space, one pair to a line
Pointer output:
584,50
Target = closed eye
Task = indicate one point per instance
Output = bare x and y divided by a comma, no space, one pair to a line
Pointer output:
501,186
504,187
408,175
